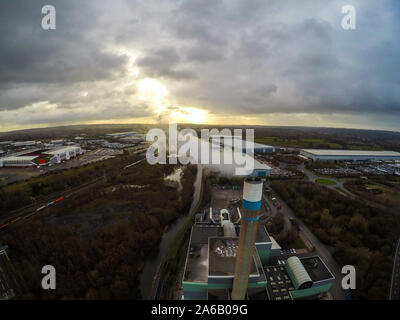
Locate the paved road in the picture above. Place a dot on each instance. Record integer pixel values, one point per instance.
(336, 290)
(395, 285)
(274, 212)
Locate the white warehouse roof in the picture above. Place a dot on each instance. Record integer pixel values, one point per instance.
(328, 152)
(246, 144)
(63, 149)
(23, 158)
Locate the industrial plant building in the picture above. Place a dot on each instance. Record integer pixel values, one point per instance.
(349, 155)
(210, 268)
(234, 257)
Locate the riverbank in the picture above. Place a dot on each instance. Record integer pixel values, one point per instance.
(166, 277)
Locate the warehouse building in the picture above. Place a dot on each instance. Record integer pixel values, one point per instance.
(349, 155)
(210, 263)
(235, 142)
(119, 135)
(33, 157)
(12, 161)
(64, 153)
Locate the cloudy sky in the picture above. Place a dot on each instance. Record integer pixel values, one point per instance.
(271, 62)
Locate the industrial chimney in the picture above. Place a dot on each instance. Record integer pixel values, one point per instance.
(252, 193)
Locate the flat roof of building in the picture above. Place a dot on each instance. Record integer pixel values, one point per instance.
(197, 262)
(24, 152)
(247, 144)
(316, 269)
(62, 149)
(22, 158)
(329, 152)
(222, 257)
(278, 283)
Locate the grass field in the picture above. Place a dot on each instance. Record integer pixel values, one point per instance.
(325, 182)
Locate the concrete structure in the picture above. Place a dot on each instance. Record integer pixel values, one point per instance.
(349, 155)
(252, 194)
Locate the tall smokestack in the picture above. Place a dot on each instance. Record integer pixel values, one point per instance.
(252, 193)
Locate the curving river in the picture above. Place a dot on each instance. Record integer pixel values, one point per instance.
(152, 263)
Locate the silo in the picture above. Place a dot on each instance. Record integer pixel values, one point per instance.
(251, 203)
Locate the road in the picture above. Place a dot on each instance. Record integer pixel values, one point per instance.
(274, 212)
(395, 285)
(336, 289)
(344, 191)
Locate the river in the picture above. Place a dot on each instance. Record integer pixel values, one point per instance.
(151, 264)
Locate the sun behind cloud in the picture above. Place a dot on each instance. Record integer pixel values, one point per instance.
(189, 115)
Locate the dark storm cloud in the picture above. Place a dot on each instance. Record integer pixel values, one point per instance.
(227, 56)
(67, 54)
(301, 48)
(31, 56)
(163, 63)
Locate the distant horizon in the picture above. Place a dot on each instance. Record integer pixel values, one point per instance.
(195, 125)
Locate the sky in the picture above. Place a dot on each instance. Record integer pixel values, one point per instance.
(260, 62)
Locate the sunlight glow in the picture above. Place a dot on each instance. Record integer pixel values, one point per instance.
(189, 115)
(152, 88)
